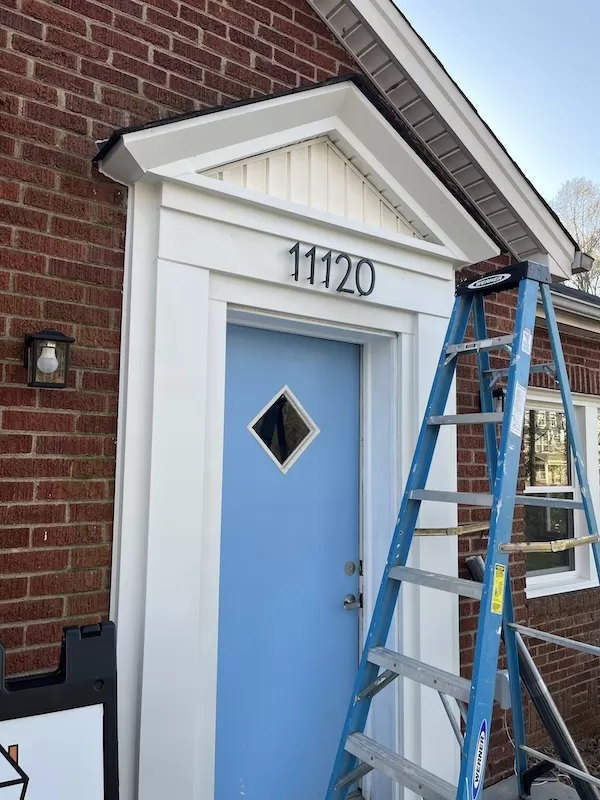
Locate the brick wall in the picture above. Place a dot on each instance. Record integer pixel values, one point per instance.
(70, 72)
(572, 677)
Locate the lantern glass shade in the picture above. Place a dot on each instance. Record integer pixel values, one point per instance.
(47, 359)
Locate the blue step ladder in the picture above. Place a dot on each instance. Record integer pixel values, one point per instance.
(358, 754)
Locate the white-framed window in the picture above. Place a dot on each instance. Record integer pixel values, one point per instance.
(549, 472)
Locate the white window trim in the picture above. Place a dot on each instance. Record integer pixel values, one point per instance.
(584, 575)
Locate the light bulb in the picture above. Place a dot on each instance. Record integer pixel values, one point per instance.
(47, 362)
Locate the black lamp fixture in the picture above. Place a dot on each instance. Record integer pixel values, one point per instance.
(47, 358)
(498, 396)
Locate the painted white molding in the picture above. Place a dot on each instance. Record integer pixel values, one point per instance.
(341, 112)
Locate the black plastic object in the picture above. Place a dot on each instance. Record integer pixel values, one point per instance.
(503, 279)
(545, 707)
(87, 676)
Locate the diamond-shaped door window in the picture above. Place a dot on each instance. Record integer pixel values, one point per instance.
(284, 429)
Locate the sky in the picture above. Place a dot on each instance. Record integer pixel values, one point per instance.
(530, 68)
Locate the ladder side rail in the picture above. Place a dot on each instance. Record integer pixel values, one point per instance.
(510, 645)
(485, 393)
(572, 428)
(487, 643)
(400, 545)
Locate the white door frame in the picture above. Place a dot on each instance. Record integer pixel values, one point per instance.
(168, 500)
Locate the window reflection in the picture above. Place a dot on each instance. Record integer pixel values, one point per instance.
(282, 429)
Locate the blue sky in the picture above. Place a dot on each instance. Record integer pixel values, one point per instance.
(531, 69)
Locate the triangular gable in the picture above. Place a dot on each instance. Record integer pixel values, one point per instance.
(318, 175)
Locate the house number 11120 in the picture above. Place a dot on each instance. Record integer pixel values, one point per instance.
(360, 276)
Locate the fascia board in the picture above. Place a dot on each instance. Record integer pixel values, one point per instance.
(418, 62)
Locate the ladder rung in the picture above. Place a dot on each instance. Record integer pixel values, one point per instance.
(460, 530)
(578, 773)
(549, 368)
(583, 647)
(556, 546)
(466, 419)
(412, 776)
(481, 499)
(435, 678)
(433, 580)
(479, 346)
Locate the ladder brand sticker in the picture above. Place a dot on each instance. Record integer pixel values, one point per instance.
(498, 588)
(490, 280)
(516, 421)
(479, 765)
(527, 340)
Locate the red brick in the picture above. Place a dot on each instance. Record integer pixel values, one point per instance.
(139, 68)
(37, 421)
(83, 8)
(69, 445)
(76, 44)
(203, 21)
(48, 287)
(25, 561)
(13, 636)
(90, 359)
(15, 491)
(93, 468)
(66, 582)
(33, 468)
(293, 30)
(226, 48)
(314, 57)
(282, 74)
(248, 76)
(253, 10)
(45, 632)
(77, 271)
(10, 191)
(166, 22)
(81, 105)
(232, 17)
(20, 662)
(99, 337)
(65, 535)
(70, 490)
(16, 22)
(37, 49)
(295, 63)
(65, 80)
(88, 604)
(57, 203)
(70, 312)
(167, 98)
(148, 33)
(23, 217)
(119, 41)
(251, 42)
(14, 537)
(28, 173)
(186, 68)
(13, 63)
(312, 22)
(12, 443)
(16, 396)
(91, 512)
(91, 556)
(22, 306)
(200, 93)
(11, 588)
(275, 37)
(106, 74)
(100, 192)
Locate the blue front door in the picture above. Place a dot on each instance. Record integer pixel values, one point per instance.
(288, 649)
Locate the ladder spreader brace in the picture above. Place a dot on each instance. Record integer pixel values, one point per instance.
(358, 754)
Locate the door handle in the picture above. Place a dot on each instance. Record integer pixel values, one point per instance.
(351, 602)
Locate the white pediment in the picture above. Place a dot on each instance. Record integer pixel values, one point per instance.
(325, 152)
(318, 175)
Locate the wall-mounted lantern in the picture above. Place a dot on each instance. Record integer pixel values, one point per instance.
(47, 358)
(499, 396)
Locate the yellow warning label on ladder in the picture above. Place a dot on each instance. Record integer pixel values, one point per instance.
(498, 588)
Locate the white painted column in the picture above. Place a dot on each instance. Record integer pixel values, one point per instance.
(171, 705)
(132, 491)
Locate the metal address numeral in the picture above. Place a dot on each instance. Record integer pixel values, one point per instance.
(363, 267)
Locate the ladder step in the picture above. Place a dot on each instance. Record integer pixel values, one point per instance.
(578, 773)
(460, 530)
(481, 499)
(466, 419)
(563, 641)
(438, 679)
(555, 546)
(549, 368)
(480, 346)
(433, 580)
(412, 776)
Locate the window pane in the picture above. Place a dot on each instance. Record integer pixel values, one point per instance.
(545, 525)
(546, 449)
(547, 464)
